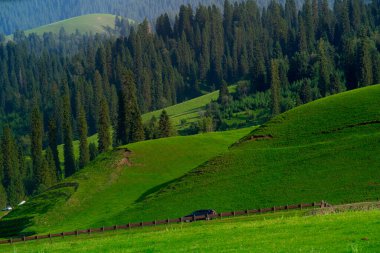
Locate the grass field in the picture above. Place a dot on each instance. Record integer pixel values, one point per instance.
(108, 188)
(95, 23)
(357, 231)
(323, 150)
(327, 149)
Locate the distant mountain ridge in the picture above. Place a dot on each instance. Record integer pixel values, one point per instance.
(28, 14)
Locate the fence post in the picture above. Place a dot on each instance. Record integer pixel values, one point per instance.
(142, 224)
(155, 223)
(194, 219)
(129, 225)
(167, 221)
(301, 206)
(233, 213)
(247, 211)
(103, 229)
(76, 232)
(274, 209)
(23, 238)
(89, 231)
(11, 241)
(63, 234)
(221, 215)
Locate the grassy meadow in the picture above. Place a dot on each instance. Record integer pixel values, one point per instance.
(357, 231)
(327, 149)
(108, 187)
(91, 23)
(322, 150)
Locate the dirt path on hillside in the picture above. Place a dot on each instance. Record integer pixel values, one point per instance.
(125, 161)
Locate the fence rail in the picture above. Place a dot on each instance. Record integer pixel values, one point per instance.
(321, 204)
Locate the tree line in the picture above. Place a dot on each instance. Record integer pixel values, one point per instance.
(289, 56)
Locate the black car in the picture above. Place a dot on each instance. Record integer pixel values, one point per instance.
(203, 213)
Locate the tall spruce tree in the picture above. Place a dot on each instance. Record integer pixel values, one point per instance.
(365, 63)
(224, 94)
(164, 125)
(130, 127)
(68, 149)
(11, 168)
(104, 127)
(36, 146)
(84, 155)
(53, 145)
(49, 177)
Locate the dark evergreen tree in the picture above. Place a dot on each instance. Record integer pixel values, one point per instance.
(224, 94)
(68, 150)
(52, 135)
(12, 181)
(36, 135)
(84, 155)
(93, 150)
(164, 125)
(365, 63)
(104, 128)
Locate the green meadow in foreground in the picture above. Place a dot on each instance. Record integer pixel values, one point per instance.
(95, 23)
(357, 231)
(109, 185)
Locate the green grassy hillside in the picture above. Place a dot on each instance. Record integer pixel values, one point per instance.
(189, 111)
(282, 232)
(110, 185)
(327, 149)
(95, 23)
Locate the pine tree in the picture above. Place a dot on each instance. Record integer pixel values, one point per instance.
(130, 127)
(48, 168)
(365, 63)
(67, 133)
(11, 168)
(224, 94)
(275, 87)
(164, 125)
(84, 155)
(93, 150)
(52, 132)
(36, 145)
(104, 126)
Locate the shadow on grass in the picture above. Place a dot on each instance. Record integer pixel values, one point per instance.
(16, 222)
(155, 189)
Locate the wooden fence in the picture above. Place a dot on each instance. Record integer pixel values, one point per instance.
(321, 204)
